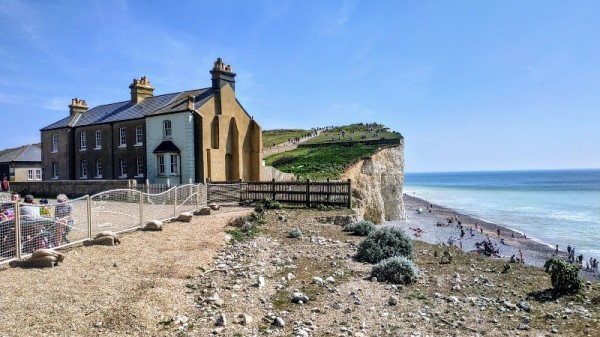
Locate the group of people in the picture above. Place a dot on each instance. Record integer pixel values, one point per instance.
(591, 265)
(41, 226)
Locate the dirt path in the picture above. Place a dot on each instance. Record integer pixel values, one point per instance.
(114, 291)
(286, 146)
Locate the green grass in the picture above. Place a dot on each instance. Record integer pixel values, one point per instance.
(319, 163)
(239, 235)
(277, 137)
(354, 132)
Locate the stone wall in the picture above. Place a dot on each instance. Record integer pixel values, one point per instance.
(377, 185)
(73, 189)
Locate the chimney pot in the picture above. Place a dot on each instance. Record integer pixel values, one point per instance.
(140, 90)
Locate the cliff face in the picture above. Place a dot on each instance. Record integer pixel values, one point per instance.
(377, 184)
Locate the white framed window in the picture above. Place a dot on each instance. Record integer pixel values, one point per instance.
(174, 164)
(82, 141)
(54, 170)
(54, 143)
(122, 137)
(30, 174)
(98, 144)
(98, 168)
(139, 135)
(123, 167)
(161, 164)
(83, 168)
(139, 167)
(167, 131)
(38, 174)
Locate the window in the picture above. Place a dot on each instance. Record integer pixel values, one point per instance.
(167, 132)
(139, 167)
(30, 174)
(139, 135)
(54, 170)
(98, 168)
(83, 167)
(55, 143)
(38, 174)
(122, 137)
(83, 141)
(98, 140)
(123, 165)
(161, 164)
(174, 166)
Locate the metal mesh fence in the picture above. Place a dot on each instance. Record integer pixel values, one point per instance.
(56, 225)
(226, 194)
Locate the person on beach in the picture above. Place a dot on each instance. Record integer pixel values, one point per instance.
(556, 250)
(471, 232)
(498, 231)
(522, 261)
(569, 249)
(481, 228)
(462, 233)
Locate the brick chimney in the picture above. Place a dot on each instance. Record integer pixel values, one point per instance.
(140, 90)
(77, 106)
(222, 74)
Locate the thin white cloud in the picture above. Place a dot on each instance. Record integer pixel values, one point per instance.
(56, 104)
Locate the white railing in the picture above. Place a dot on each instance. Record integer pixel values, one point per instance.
(115, 210)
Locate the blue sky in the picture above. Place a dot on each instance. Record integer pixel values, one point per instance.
(472, 85)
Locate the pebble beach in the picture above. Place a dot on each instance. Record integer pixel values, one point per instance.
(423, 227)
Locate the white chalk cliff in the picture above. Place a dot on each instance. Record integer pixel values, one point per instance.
(377, 185)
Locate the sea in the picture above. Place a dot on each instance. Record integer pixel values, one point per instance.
(551, 206)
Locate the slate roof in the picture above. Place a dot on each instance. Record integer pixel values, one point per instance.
(123, 111)
(26, 153)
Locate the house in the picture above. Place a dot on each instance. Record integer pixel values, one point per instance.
(22, 163)
(182, 137)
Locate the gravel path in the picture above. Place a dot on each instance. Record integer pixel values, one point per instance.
(126, 289)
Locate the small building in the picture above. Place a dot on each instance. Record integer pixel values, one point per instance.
(182, 137)
(22, 163)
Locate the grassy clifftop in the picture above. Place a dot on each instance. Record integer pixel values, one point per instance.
(332, 158)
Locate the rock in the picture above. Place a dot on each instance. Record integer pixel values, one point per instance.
(437, 295)
(453, 299)
(246, 319)
(330, 279)
(393, 300)
(261, 282)
(203, 211)
(317, 280)
(298, 297)
(373, 279)
(456, 287)
(523, 326)
(221, 320)
(509, 305)
(214, 206)
(154, 225)
(524, 305)
(301, 333)
(279, 322)
(554, 330)
(281, 218)
(184, 217)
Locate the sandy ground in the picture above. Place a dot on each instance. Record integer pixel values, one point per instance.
(534, 253)
(114, 291)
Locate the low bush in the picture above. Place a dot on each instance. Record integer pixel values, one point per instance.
(383, 243)
(349, 227)
(284, 160)
(396, 269)
(363, 228)
(295, 233)
(256, 218)
(564, 276)
(237, 221)
(270, 204)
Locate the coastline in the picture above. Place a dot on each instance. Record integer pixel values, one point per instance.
(535, 252)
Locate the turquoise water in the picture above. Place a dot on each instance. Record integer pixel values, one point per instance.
(553, 207)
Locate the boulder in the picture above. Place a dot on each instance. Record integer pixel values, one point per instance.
(106, 238)
(41, 258)
(203, 211)
(214, 206)
(185, 217)
(154, 225)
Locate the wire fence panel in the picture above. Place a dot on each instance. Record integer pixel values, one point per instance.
(186, 198)
(116, 211)
(226, 194)
(159, 206)
(7, 240)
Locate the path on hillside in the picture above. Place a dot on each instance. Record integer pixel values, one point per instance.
(287, 146)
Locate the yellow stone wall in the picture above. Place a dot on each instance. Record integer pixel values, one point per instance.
(232, 141)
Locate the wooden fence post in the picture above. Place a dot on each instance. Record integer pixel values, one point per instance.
(241, 192)
(307, 193)
(349, 193)
(328, 192)
(273, 189)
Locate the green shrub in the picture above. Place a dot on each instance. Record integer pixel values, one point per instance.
(363, 228)
(256, 218)
(383, 243)
(396, 269)
(270, 204)
(295, 233)
(564, 276)
(349, 227)
(284, 160)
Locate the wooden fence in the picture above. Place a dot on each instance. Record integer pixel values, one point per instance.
(306, 193)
